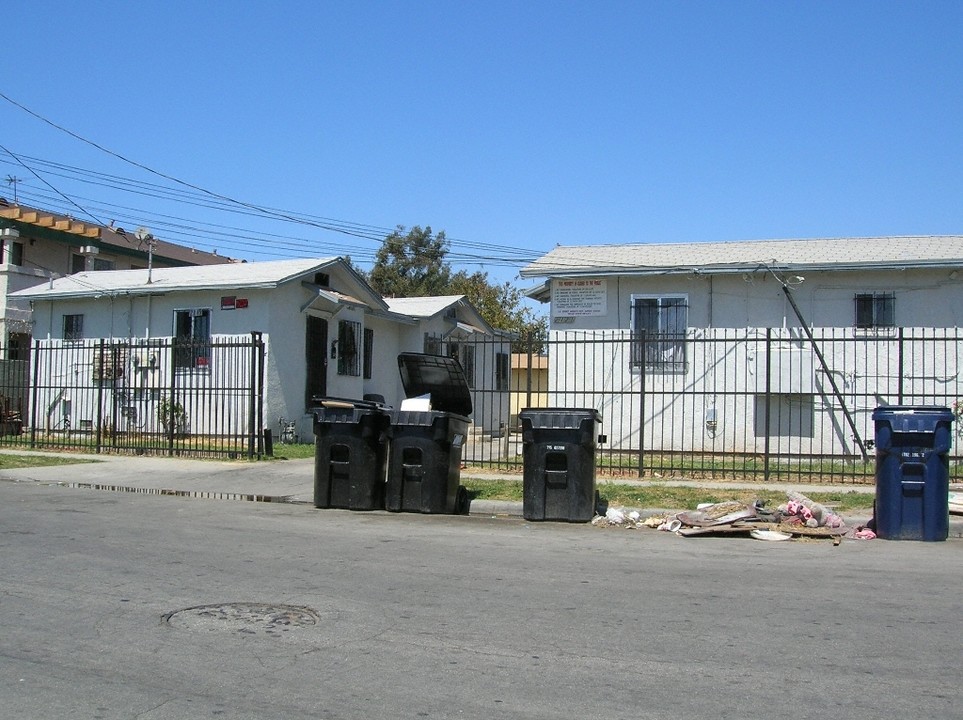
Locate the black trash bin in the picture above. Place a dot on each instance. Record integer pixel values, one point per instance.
(558, 455)
(424, 465)
(912, 472)
(350, 453)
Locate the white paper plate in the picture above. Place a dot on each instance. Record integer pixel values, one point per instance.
(770, 535)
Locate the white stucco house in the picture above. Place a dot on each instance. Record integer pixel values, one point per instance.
(696, 325)
(325, 332)
(449, 325)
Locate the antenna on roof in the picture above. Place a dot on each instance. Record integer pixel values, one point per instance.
(11, 180)
(143, 235)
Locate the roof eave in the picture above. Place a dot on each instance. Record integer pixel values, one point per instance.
(734, 268)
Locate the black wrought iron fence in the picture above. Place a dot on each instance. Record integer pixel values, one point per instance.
(140, 396)
(758, 404)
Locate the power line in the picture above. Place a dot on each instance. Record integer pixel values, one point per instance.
(458, 251)
(36, 175)
(508, 256)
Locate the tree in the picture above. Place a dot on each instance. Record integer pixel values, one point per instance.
(411, 264)
(500, 305)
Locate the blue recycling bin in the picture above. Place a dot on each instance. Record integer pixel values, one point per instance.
(912, 472)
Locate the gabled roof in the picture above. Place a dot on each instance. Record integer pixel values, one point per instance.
(239, 276)
(723, 257)
(423, 307)
(470, 320)
(80, 232)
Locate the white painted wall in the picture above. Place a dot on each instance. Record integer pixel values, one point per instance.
(277, 314)
(591, 362)
(924, 298)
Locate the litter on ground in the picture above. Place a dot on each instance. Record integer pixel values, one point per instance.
(798, 517)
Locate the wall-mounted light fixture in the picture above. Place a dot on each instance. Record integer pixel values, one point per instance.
(334, 349)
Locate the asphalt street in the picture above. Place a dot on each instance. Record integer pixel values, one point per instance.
(135, 605)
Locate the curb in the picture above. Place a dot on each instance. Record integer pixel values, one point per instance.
(478, 508)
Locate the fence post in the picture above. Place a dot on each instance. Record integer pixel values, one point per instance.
(768, 417)
(98, 434)
(171, 402)
(900, 374)
(641, 398)
(35, 393)
(530, 340)
(252, 399)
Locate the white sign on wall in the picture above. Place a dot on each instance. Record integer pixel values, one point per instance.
(579, 298)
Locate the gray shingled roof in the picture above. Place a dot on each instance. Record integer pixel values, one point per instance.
(164, 280)
(721, 257)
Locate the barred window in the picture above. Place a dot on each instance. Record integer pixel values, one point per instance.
(502, 370)
(432, 345)
(659, 325)
(349, 357)
(465, 355)
(73, 327)
(192, 339)
(875, 310)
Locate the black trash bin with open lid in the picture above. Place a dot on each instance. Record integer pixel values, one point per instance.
(424, 464)
(350, 453)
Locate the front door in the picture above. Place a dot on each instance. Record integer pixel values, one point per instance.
(315, 359)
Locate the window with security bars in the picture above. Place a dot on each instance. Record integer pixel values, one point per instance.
(503, 370)
(368, 350)
(349, 355)
(465, 355)
(192, 339)
(433, 345)
(875, 311)
(659, 325)
(73, 327)
(463, 352)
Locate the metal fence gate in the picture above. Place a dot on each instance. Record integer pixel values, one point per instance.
(154, 396)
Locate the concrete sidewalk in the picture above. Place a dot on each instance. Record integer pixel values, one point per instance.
(292, 481)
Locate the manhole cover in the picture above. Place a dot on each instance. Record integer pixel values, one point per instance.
(244, 618)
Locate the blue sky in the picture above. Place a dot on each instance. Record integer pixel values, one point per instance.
(513, 126)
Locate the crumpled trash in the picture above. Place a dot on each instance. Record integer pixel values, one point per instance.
(794, 507)
(864, 533)
(615, 516)
(620, 517)
(802, 509)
